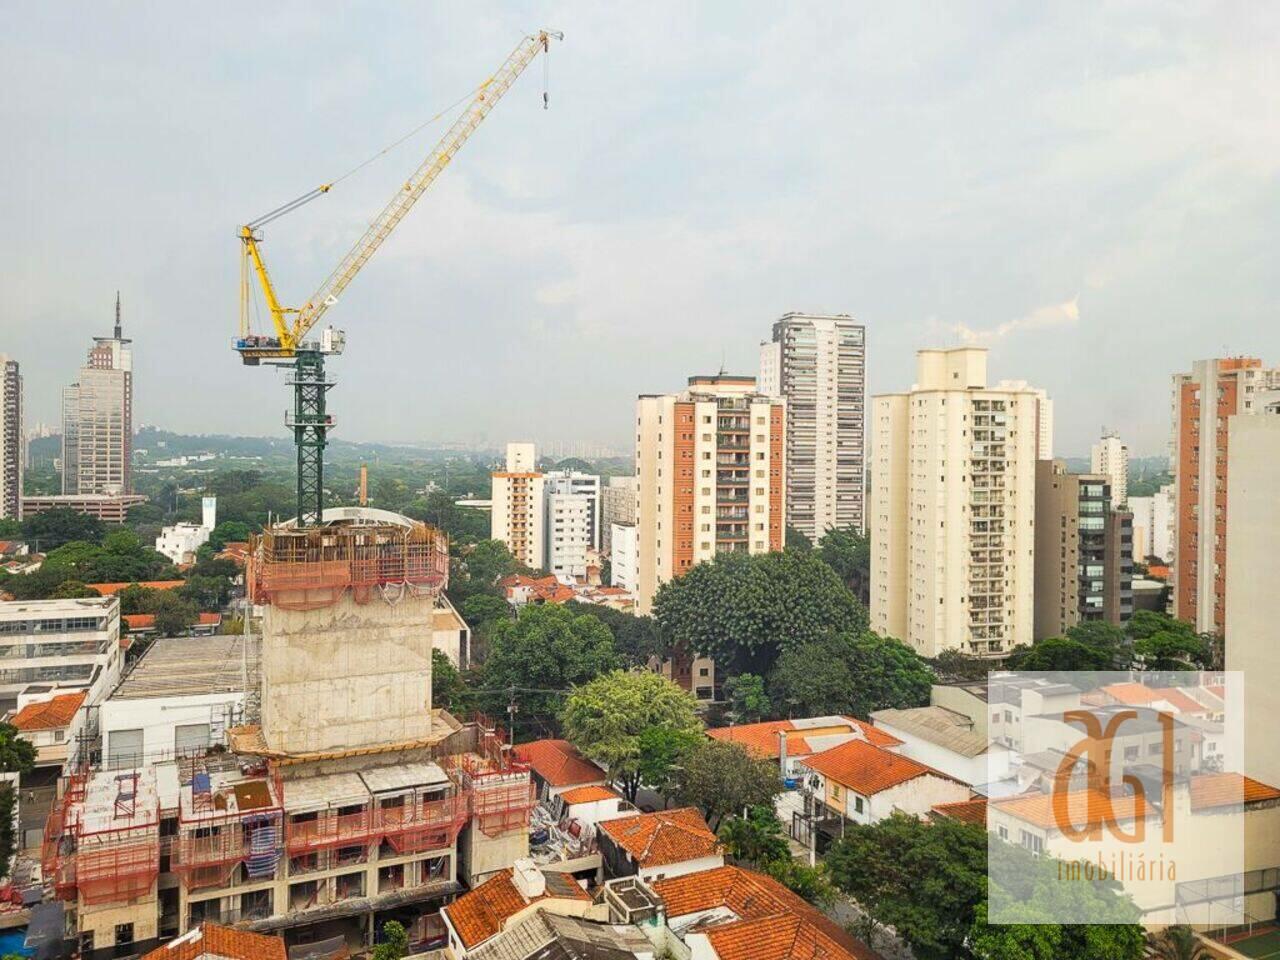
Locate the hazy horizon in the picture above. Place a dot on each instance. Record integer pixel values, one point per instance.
(1090, 193)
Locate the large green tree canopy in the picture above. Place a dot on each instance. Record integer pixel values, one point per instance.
(614, 719)
(849, 673)
(744, 610)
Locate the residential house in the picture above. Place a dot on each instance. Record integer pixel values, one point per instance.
(665, 843)
(51, 725)
(945, 740)
(213, 941)
(791, 742)
(557, 766)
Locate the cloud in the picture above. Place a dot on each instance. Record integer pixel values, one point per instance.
(1051, 315)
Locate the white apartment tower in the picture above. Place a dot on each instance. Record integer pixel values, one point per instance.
(952, 516)
(1110, 458)
(12, 441)
(97, 420)
(709, 475)
(817, 365)
(517, 515)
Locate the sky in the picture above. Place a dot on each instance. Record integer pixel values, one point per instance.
(1090, 191)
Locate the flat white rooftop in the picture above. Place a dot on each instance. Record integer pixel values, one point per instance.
(83, 607)
(404, 776)
(118, 799)
(324, 792)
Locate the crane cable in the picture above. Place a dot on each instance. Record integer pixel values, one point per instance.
(324, 188)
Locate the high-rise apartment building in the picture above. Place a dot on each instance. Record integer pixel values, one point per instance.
(710, 477)
(516, 517)
(1084, 551)
(566, 534)
(622, 562)
(1110, 458)
(97, 420)
(13, 448)
(953, 507)
(1253, 605)
(1153, 525)
(1204, 402)
(817, 365)
(585, 486)
(617, 505)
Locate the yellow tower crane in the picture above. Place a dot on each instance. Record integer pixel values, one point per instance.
(289, 347)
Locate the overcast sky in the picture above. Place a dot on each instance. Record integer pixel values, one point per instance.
(1092, 193)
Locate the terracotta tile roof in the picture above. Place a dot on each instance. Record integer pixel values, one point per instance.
(215, 940)
(559, 763)
(588, 794)
(753, 898)
(1226, 789)
(663, 837)
(111, 589)
(1180, 700)
(49, 714)
(761, 739)
(478, 915)
(967, 811)
(1131, 694)
(867, 769)
(1037, 808)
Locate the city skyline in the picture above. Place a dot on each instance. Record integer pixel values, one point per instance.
(1070, 242)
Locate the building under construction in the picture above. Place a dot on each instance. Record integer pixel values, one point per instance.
(342, 801)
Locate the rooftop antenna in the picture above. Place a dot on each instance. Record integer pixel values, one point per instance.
(118, 333)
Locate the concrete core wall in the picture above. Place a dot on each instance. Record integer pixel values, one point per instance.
(348, 675)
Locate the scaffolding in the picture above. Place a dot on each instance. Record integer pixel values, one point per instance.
(314, 567)
(222, 828)
(102, 838)
(501, 790)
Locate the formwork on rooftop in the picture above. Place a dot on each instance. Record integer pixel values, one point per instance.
(312, 567)
(224, 824)
(500, 787)
(102, 837)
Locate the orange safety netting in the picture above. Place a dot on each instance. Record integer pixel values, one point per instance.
(114, 872)
(313, 567)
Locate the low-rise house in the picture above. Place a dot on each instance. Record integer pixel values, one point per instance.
(144, 624)
(557, 766)
(51, 725)
(946, 740)
(507, 898)
(111, 589)
(791, 742)
(729, 913)
(213, 941)
(544, 935)
(966, 811)
(862, 783)
(666, 843)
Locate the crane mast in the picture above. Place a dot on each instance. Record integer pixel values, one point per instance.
(289, 347)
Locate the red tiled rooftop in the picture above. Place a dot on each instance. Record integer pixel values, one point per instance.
(753, 897)
(478, 915)
(215, 940)
(867, 769)
(111, 589)
(1226, 789)
(761, 739)
(559, 763)
(49, 714)
(588, 794)
(1084, 808)
(663, 837)
(966, 811)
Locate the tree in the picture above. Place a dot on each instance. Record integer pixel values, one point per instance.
(637, 639)
(10, 529)
(448, 689)
(229, 531)
(607, 718)
(52, 528)
(849, 673)
(848, 553)
(484, 611)
(957, 665)
(721, 777)
(744, 610)
(662, 753)
(756, 839)
(16, 754)
(1098, 634)
(207, 593)
(174, 614)
(748, 702)
(8, 842)
(539, 656)
(809, 883)
(1060, 654)
(480, 567)
(394, 943)
(794, 539)
(72, 590)
(1178, 943)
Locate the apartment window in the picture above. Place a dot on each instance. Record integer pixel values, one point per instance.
(124, 934)
(1131, 753)
(857, 804)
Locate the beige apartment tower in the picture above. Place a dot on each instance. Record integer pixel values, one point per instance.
(13, 446)
(952, 516)
(710, 477)
(1109, 457)
(517, 516)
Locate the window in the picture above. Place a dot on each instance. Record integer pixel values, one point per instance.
(857, 804)
(124, 934)
(1032, 842)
